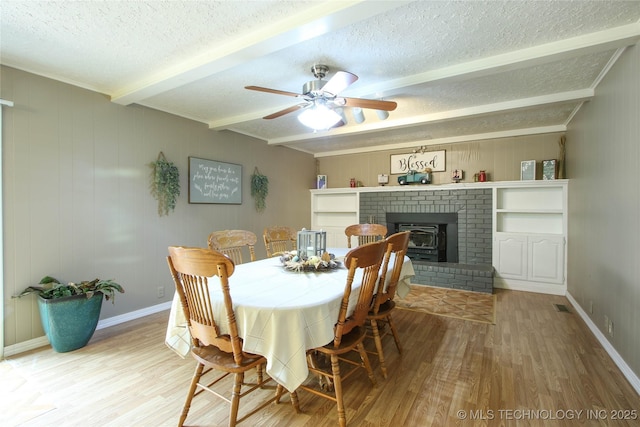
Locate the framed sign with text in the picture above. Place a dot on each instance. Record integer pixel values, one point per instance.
(211, 181)
(402, 163)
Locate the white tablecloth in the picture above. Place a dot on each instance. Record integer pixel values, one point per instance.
(280, 314)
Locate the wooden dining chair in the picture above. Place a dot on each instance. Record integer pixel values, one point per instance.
(278, 240)
(349, 331)
(366, 233)
(383, 304)
(232, 243)
(215, 352)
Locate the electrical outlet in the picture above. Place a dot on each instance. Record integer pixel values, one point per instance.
(591, 307)
(160, 291)
(606, 323)
(610, 329)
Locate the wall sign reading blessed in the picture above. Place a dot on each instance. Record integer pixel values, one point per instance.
(402, 163)
(214, 182)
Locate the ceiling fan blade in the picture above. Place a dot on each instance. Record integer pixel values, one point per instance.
(374, 104)
(276, 91)
(339, 82)
(285, 111)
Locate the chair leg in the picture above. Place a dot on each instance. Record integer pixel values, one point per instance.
(337, 387)
(279, 392)
(259, 372)
(294, 401)
(394, 331)
(378, 341)
(365, 362)
(192, 389)
(293, 395)
(235, 398)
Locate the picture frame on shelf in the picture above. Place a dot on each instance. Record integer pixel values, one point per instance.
(549, 169)
(321, 182)
(527, 170)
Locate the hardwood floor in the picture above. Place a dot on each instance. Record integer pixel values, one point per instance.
(536, 366)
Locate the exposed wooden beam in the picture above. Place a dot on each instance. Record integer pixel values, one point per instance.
(316, 21)
(478, 110)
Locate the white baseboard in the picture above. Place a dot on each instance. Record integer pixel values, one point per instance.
(105, 323)
(617, 359)
(526, 286)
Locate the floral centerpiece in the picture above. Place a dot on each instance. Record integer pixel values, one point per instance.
(294, 262)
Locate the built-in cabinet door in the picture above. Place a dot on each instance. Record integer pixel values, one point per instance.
(511, 255)
(546, 259)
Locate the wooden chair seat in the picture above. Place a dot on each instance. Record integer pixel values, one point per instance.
(383, 305)
(217, 359)
(366, 233)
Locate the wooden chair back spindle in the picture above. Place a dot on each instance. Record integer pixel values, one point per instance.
(278, 240)
(367, 257)
(232, 243)
(366, 233)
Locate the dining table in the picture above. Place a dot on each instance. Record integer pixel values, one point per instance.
(280, 313)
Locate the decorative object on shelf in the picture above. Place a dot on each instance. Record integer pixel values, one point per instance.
(418, 160)
(69, 312)
(476, 177)
(415, 176)
(352, 183)
(383, 179)
(311, 242)
(528, 170)
(165, 184)
(301, 263)
(456, 176)
(561, 158)
(211, 181)
(260, 189)
(321, 183)
(482, 176)
(549, 169)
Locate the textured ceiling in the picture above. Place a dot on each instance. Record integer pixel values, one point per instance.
(458, 70)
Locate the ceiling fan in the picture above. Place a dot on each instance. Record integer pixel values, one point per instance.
(322, 95)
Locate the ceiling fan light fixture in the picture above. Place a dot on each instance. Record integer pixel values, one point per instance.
(340, 111)
(382, 115)
(319, 117)
(358, 115)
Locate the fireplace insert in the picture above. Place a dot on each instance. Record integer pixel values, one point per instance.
(426, 242)
(433, 238)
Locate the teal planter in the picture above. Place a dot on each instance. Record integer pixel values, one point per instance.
(70, 322)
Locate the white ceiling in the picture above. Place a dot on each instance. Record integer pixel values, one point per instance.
(459, 70)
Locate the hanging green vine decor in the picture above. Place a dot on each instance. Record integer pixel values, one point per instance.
(165, 184)
(259, 189)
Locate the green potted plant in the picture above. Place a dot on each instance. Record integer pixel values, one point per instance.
(70, 312)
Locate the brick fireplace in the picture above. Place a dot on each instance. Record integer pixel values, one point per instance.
(472, 208)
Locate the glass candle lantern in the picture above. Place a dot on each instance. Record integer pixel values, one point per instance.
(312, 242)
